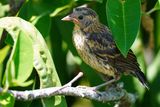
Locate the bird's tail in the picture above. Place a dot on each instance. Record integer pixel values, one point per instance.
(142, 79)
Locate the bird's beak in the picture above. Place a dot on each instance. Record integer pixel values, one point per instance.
(67, 18)
(70, 18)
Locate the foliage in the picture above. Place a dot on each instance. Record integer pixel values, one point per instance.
(26, 63)
(124, 21)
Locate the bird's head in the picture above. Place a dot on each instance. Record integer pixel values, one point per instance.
(82, 16)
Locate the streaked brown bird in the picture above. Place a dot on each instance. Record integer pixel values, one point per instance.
(95, 45)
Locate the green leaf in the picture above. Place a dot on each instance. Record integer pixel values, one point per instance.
(124, 20)
(100, 1)
(9, 40)
(43, 62)
(157, 6)
(6, 100)
(61, 10)
(1, 71)
(43, 23)
(23, 57)
(20, 64)
(3, 53)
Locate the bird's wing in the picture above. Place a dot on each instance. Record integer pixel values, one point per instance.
(104, 47)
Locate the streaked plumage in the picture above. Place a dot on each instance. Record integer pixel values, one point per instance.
(95, 45)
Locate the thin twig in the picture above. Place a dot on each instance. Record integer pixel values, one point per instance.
(80, 74)
(115, 93)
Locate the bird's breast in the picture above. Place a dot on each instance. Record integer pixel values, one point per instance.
(81, 44)
(79, 40)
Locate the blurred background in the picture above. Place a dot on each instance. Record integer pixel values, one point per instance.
(46, 15)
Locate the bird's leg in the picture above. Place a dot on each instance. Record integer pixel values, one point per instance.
(104, 84)
(116, 78)
(99, 86)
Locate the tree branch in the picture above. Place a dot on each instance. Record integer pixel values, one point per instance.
(115, 93)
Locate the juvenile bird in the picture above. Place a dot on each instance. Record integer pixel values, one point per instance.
(95, 45)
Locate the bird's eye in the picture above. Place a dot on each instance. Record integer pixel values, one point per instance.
(80, 17)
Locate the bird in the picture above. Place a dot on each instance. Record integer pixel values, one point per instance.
(96, 46)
